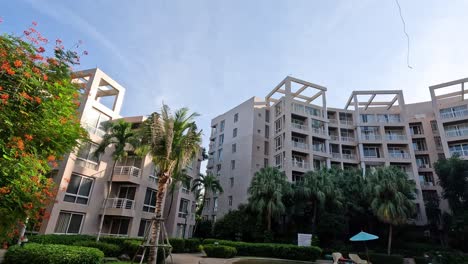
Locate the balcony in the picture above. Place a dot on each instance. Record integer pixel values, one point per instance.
(349, 156)
(394, 137)
(399, 155)
(300, 164)
(210, 163)
(371, 137)
(347, 122)
(127, 174)
(300, 145)
(334, 137)
(460, 153)
(457, 133)
(94, 130)
(336, 155)
(153, 179)
(120, 207)
(423, 165)
(319, 131)
(454, 114)
(333, 121)
(318, 147)
(347, 139)
(299, 126)
(427, 184)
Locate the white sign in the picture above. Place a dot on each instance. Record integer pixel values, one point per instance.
(304, 240)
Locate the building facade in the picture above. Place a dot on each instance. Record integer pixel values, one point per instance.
(83, 179)
(294, 129)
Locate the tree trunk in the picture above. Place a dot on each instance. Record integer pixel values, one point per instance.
(171, 191)
(22, 231)
(389, 247)
(199, 213)
(269, 218)
(156, 227)
(101, 222)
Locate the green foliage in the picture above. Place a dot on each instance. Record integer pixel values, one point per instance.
(109, 250)
(59, 239)
(210, 184)
(453, 177)
(178, 245)
(282, 251)
(384, 258)
(204, 228)
(192, 245)
(53, 254)
(215, 251)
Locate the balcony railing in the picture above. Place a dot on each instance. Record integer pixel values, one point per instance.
(393, 137)
(320, 131)
(333, 121)
(424, 165)
(461, 153)
(454, 114)
(336, 155)
(349, 156)
(371, 137)
(334, 137)
(426, 183)
(300, 145)
(153, 179)
(300, 126)
(318, 147)
(348, 122)
(127, 170)
(300, 164)
(86, 163)
(456, 133)
(347, 139)
(120, 203)
(399, 155)
(94, 130)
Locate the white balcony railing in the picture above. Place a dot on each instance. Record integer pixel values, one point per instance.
(334, 137)
(461, 153)
(86, 163)
(94, 130)
(426, 183)
(153, 179)
(333, 121)
(120, 203)
(371, 137)
(299, 126)
(127, 170)
(349, 156)
(320, 131)
(348, 122)
(300, 164)
(456, 133)
(424, 165)
(347, 139)
(454, 114)
(318, 147)
(399, 155)
(336, 155)
(393, 137)
(300, 145)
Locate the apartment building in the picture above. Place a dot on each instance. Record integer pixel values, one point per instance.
(83, 179)
(294, 130)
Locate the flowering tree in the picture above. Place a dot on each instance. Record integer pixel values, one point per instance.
(38, 124)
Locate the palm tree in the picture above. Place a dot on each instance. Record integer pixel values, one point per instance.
(318, 188)
(209, 184)
(179, 179)
(391, 194)
(266, 191)
(119, 135)
(172, 140)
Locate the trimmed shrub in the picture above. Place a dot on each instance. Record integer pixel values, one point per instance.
(282, 251)
(384, 258)
(192, 245)
(109, 250)
(215, 251)
(421, 260)
(59, 239)
(178, 245)
(53, 254)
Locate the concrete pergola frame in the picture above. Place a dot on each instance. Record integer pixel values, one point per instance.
(460, 93)
(284, 88)
(353, 99)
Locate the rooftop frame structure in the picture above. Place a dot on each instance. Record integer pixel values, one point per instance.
(452, 95)
(284, 88)
(396, 99)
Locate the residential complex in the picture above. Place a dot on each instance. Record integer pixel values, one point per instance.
(83, 179)
(294, 130)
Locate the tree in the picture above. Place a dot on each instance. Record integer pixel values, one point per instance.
(173, 140)
(39, 124)
(209, 184)
(391, 196)
(121, 137)
(453, 177)
(266, 191)
(318, 188)
(180, 178)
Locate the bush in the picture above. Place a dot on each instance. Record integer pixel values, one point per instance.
(282, 251)
(178, 245)
(421, 260)
(53, 254)
(192, 245)
(216, 251)
(59, 239)
(384, 258)
(109, 250)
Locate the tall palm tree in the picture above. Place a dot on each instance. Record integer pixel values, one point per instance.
(318, 188)
(209, 184)
(121, 136)
(266, 191)
(172, 140)
(391, 197)
(179, 179)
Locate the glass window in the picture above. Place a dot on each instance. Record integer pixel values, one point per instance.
(95, 120)
(267, 115)
(220, 154)
(231, 182)
(267, 131)
(221, 126)
(78, 189)
(85, 156)
(233, 164)
(234, 132)
(183, 207)
(215, 204)
(234, 148)
(68, 223)
(230, 200)
(145, 225)
(265, 163)
(221, 140)
(149, 204)
(236, 117)
(119, 226)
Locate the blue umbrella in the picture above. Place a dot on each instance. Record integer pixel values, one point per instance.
(363, 236)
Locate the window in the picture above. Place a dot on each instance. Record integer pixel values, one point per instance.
(207, 203)
(231, 182)
(259, 131)
(220, 154)
(218, 168)
(234, 148)
(145, 225)
(267, 115)
(236, 117)
(230, 200)
(180, 231)
(85, 156)
(416, 129)
(215, 204)
(69, 223)
(119, 226)
(149, 204)
(78, 189)
(95, 122)
(267, 131)
(278, 109)
(266, 148)
(434, 126)
(423, 161)
(221, 140)
(183, 207)
(419, 144)
(233, 164)
(438, 142)
(221, 126)
(278, 143)
(265, 163)
(371, 152)
(278, 125)
(213, 218)
(278, 160)
(234, 132)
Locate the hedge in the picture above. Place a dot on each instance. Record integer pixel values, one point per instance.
(192, 245)
(59, 239)
(178, 245)
(53, 254)
(216, 251)
(384, 258)
(282, 251)
(110, 250)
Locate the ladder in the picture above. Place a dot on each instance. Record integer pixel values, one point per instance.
(163, 242)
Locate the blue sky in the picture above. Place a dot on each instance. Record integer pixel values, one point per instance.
(213, 55)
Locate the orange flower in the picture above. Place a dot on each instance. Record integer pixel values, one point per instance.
(51, 158)
(20, 144)
(35, 70)
(26, 96)
(10, 71)
(28, 137)
(45, 77)
(38, 100)
(27, 74)
(1, 88)
(18, 63)
(5, 96)
(5, 190)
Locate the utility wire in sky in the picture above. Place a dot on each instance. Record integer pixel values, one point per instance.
(407, 36)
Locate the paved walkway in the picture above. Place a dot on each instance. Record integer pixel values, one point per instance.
(200, 259)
